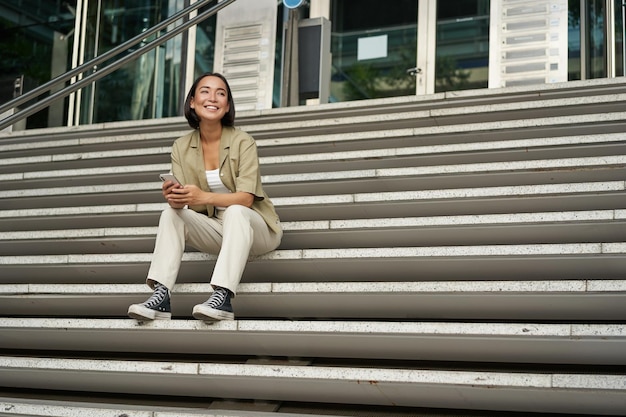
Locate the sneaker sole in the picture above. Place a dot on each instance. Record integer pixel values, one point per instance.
(139, 312)
(202, 312)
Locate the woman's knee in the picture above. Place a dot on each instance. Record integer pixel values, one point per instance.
(172, 216)
(169, 213)
(238, 211)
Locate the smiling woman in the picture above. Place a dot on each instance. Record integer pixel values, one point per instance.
(219, 207)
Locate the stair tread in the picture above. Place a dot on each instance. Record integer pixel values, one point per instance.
(375, 386)
(384, 340)
(491, 220)
(580, 301)
(268, 161)
(67, 408)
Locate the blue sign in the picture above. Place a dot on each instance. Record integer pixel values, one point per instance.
(292, 4)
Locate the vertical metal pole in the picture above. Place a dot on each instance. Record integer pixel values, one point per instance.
(287, 38)
(289, 94)
(609, 38)
(78, 39)
(96, 45)
(188, 63)
(584, 40)
(623, 38)
(294, 89)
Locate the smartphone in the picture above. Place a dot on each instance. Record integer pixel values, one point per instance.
(169, 177)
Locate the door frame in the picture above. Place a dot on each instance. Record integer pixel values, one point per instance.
(426, 44)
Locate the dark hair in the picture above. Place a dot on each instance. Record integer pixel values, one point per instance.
(190, 114)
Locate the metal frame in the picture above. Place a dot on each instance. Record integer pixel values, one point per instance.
(426, 35)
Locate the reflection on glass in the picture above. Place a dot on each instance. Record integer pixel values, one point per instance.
(595, 62)
(372, 47)
(147, 87)
(35, 37)
(462, 45)
(205, 45)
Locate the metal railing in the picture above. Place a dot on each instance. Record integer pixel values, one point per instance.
(102, 72)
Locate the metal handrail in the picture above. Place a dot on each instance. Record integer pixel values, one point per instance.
(8, 121)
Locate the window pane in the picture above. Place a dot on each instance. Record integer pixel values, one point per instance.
(462, 52)
(372, 47)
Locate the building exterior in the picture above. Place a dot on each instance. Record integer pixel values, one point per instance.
(395, 48)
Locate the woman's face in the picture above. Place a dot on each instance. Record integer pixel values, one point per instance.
(210, 100)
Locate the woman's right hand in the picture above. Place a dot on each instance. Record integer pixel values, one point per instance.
(167, 188)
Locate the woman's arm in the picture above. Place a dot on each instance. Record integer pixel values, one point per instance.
(194, 196)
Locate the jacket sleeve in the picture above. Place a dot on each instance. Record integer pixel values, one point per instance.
(244, 167)
(176, 161)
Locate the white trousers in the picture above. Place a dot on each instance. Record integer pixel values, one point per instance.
(234, 234)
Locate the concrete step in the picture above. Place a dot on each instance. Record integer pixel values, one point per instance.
(79, 166)
(546, 391)
(454, 201)
(509, 228)
(382, 340)
(74, 407)
(600, 168)
(407, 141)
(601, 99)
(306, 167)
(490, 262)
(538, 300)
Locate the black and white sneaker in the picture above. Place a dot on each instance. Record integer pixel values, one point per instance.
(157, 307)
(217, 307)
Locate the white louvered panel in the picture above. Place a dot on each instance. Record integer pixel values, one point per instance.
(528, 42)
(245, 51)
(241, 65)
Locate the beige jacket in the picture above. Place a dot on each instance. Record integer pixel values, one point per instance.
(239, 169)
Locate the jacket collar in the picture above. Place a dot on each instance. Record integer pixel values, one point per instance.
(225, 143)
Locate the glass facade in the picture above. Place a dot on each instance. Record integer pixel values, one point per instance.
(375, 51)
(145, 88)
(32, 33)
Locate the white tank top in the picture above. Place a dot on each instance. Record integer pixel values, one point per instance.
(215, 183)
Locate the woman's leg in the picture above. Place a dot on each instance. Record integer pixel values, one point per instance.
(245, 233)
(175, 227)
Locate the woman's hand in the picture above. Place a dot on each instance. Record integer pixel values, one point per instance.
(179, 197)
(168, 188)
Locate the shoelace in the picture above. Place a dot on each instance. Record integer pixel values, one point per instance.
(160, 292)
(217, 298)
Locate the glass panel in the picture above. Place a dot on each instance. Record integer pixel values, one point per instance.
(619, 7)
(597, 57)
(35, 40)
(573, 41)
(462, 51)
(372, 47)
(205, 44)
(594, 42)
(143, 88)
